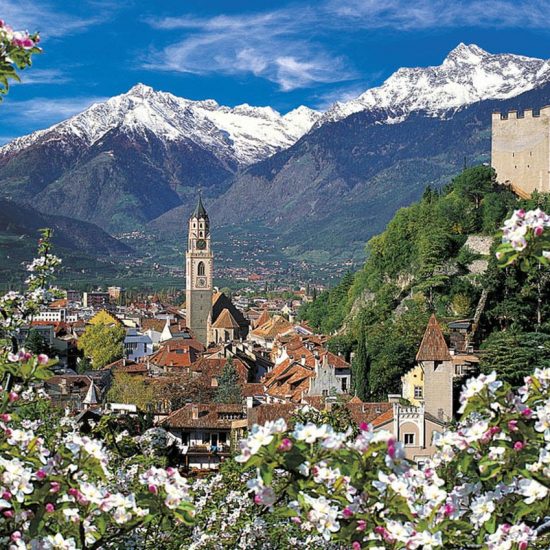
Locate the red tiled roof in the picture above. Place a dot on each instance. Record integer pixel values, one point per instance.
(153, 324)
(383, 418)
(209, 415)
(225, 320)
(270, 411)
(433, 346)
(369, 412)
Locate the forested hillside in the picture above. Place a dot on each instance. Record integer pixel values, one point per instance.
(421, 264)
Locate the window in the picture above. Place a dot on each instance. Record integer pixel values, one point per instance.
(408, 439)
(344, 384)
(200, 269)
(418, 392)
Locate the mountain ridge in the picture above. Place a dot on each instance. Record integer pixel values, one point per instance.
(326, 193)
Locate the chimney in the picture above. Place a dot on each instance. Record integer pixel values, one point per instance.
(194, 412)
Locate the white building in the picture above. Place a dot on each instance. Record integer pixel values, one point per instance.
(137, 345)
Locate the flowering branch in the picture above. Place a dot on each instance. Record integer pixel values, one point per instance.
(525, 239)
(16, 49)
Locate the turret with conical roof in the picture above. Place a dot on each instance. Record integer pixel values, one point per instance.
(200, 211)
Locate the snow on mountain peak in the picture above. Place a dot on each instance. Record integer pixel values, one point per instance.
(467, 54)
(244, 134)
(467, 75)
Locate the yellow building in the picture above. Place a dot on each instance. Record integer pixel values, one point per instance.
(413, 386)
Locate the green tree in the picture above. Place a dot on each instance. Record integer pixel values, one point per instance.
(102, 343)
(130, 389)
(83, 365)
(514, 355)
(229, 389)
(36, 344)
(360, 368)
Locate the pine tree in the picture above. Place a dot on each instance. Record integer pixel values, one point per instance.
(36, 344)
(360, 367)
(229, 389)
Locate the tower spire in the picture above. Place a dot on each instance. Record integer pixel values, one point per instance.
(200, 211)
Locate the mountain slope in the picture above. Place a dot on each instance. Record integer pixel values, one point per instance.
(23, 221)
(125, 161)
(323, 184)
(341, 183)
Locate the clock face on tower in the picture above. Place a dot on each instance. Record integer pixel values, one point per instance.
(201, 282)
(201, 244)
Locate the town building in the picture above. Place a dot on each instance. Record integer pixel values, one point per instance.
(211, 317)
(520, 150)
(203, 432)
(96, 299)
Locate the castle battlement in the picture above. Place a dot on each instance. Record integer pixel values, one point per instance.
(513, 114)
(520, 149)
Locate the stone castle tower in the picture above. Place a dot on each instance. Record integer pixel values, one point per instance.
(199, 272)
(520, 150)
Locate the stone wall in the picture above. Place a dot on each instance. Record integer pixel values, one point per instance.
(520, 150)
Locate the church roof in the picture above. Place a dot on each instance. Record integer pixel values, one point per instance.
(263, 318)
(200, 211)
(225, 320)
(433, 346)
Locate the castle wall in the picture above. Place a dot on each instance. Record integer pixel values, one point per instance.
(438, 389)
(520, 150)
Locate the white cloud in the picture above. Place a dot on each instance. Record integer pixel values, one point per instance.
(270, 45)
(292, 46)
(34, 15)
(42, 76)
(406, 15)
(45, 110)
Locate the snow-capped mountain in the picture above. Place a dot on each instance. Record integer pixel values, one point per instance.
(243, 134)
(467, 75)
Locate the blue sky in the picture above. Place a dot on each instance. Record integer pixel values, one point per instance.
(259, 52)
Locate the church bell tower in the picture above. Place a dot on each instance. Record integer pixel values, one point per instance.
(198, 270)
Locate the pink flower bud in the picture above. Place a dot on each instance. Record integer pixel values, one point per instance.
(527, 412)
(41, 474)
(43, 359)
(506, 527)
(49, 507)
(523, 545)
(520, 213)
(356, 545)
(13, 396)
(73, 492)
(152, 489)
(513, 425)
(448, 509)
(55, 486)
(361, 525)
(8, 514)
(257, 499)
(6, 495)
(391, 448)
(519, 445)
(538, 231)
(364, 427)
(296, 520)
(285, 445)
(170, 471)
(5, 417)
(15, 536)
(347, 513)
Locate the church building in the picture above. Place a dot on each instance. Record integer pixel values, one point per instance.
(211, 316)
